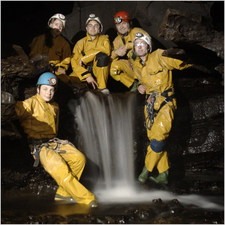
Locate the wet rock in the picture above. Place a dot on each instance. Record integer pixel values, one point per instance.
(16, 68)
(207, 107)
(143, 215)
(183, 27)
(46, 219)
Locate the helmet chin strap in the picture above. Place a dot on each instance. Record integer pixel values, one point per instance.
(124, 35)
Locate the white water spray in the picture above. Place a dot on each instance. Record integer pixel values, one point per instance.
(105, 125)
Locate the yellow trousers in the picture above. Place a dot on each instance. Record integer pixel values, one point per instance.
(66, 169)
(159, 132)
(100, 74)
(122, 71)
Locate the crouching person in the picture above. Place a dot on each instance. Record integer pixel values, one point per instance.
(90, 59)
(38, 117)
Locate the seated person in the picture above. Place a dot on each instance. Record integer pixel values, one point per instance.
(53, 45)
(121, 67)
(90, 59)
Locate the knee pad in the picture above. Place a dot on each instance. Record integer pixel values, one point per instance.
(102, 59)
(157, 146)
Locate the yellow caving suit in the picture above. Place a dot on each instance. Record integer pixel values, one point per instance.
(121, 67)
(92, 52)
(59, 54)
(39, 120)
(156, 76)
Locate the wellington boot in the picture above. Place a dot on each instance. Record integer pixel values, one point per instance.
(105, 91)
(63, 198)
(93, 204)
(134, 86)
(162, 178)
(144, 175)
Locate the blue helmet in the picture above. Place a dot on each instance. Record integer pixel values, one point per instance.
(47, 78)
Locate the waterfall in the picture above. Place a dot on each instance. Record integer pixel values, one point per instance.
(106, 136)
(105, 125)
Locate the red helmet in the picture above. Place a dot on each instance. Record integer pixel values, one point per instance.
(121, 16)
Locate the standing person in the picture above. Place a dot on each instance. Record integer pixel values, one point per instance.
(90, 60)
(155, 81)
(121, 67)
(38, 115)
(53, 45)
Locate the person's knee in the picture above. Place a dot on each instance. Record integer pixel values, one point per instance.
(114, 69)
(102, 59)
(78, 155)
(157, 146)
(82, 158)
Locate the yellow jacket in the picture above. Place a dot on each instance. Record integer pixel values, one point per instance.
(156, 73)
(59, 54)
(38, 118)
(126, 40)
(86, 49)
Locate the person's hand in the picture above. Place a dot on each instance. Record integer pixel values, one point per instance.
(142, 89)
(175, 53)
(80, 62)
(92, 81)
(121, 51)
(60, 71)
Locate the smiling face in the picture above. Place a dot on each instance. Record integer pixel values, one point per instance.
(123, 27)
(140, 47)
(46, 92)
(93, 28)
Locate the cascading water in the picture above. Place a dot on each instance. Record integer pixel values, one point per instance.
(105, 124)
(106, 136)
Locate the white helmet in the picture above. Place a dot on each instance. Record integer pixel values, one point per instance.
(95, 18)
(60, 17)
(145, 38)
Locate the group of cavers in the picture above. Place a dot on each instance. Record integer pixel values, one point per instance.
(130, 60)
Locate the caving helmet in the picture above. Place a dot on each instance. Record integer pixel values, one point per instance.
(95, 18)
(59, 16)
(121, 16)
(47, 78)
(145, 38)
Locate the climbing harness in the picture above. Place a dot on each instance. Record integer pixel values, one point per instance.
(37, 144)
(150, 100)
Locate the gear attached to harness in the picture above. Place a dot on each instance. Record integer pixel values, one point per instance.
(150, 100)
(37, 144)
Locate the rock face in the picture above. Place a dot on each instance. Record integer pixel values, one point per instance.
(178, 26)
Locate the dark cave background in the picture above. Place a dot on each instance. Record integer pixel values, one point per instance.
(23, 20)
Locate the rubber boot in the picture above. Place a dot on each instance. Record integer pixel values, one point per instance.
(105, 91)
(134, 86)
(144, 175)
(93, 204)
(63, 198)
(162, 178)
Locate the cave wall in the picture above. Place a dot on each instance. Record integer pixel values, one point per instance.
(147, 14)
